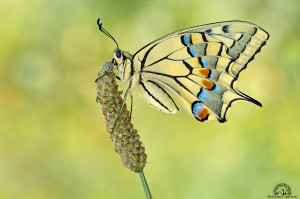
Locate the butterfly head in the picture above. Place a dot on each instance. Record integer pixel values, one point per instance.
(122, 59)
(118, 57)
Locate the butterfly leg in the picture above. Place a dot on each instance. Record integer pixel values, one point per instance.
(131, 104)
(123, 104)
(109, 72)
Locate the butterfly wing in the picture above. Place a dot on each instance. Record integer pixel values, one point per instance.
(200, 66)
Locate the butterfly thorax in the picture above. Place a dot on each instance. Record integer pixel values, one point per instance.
(126, 70)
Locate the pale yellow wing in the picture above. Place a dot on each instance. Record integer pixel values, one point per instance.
(200, 66)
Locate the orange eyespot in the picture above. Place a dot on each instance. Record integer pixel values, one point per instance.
(202, 115)
(200, 111)
(208, 84)
(204, 71)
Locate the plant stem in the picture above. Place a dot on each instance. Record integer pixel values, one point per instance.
(145, 185)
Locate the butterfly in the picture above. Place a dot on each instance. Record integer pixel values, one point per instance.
(199, 66)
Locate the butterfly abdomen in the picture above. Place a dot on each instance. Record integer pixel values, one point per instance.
(157, 97)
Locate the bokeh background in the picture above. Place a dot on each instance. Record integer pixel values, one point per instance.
(53, 140)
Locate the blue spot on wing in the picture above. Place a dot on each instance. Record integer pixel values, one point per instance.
(211, 74)
(192, 52)
(185, 40)
(215, 89)
(204, 62)
(203, 95)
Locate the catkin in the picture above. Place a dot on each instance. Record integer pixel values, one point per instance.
(124, 137)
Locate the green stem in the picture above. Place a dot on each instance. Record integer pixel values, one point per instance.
(145, 185)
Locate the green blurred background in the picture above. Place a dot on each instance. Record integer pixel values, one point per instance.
(53, 140)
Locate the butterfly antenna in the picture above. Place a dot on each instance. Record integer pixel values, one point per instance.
(105, 32)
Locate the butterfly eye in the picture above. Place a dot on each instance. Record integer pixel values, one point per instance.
(118, 54)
